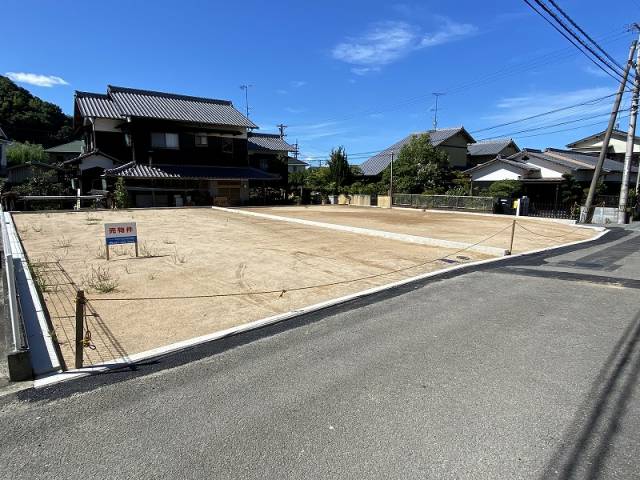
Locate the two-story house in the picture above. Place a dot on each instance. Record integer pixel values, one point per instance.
(169, 149)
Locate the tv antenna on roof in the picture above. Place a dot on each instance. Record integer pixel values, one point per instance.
(246, 88)
(435, 110)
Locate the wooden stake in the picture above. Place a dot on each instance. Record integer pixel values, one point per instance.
(80, 302)
(513, 232)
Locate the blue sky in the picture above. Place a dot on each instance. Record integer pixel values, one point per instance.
(352, 73)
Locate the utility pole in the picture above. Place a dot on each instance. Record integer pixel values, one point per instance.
(246, 88)
(295, 152)
(628, 155)
(435, 110)
(391, 181)
(588, 206)
(281, 127)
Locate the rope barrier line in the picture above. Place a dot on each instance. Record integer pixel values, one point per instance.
(282, 291)
(540, 234)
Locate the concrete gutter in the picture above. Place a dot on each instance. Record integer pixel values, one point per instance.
(39, 335)
(434, 242)
(255, 325)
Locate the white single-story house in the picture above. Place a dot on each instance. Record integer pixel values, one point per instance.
(542, 170)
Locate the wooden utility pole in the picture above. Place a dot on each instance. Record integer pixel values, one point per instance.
(628, 155)
(588, 206)
(281, 127)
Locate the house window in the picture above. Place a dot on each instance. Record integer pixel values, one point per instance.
(164, 140)
(227, 145)
(202, 140)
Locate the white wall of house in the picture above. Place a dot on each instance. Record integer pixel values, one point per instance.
(546, 169)
(496, 172)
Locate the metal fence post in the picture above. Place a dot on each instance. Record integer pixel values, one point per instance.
(80, 303)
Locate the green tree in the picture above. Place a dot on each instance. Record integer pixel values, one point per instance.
(419, 168)
(339, 170)
(43, 182)
(120, 195)
(19, 153)
(505, 189)
(319, 180)
(26, 118)
(570, 189)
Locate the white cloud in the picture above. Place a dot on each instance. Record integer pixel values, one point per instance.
(281, 91)
(298, 83)
(384, 43)
(294, 110)
(449, 32)
(387, 42)
(36, 79)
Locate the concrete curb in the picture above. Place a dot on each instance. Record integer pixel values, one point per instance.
(255, 325)
(434, 242)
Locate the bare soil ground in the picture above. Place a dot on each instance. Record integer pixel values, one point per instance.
(530, 234)
(191, 252)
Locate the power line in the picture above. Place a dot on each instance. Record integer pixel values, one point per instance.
(567, 33)
(569, 129)
(544, 127)
(565, 15)
(538, 115)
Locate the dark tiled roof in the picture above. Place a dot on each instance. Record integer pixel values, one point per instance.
(572, 160)
(71, 147)
(97, 105)
(122, 102)
(134, 170)
(377, 163)
(167, 106)
(269, 142)
(490, 147)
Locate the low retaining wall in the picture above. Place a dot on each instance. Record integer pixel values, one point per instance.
(361, 200)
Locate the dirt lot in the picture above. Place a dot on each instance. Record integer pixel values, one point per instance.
(191, 252)
(531, 234)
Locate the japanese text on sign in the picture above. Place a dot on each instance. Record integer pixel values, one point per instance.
(119, 233)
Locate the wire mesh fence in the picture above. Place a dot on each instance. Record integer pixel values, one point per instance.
(444, 202)
(59, 292)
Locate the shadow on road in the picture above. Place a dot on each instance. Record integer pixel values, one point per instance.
(586, 446)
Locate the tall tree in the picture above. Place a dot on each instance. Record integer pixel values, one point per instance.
(339, 170)
(419, 168)
(26, 118)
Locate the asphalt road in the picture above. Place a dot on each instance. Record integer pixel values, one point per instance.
(526, 370)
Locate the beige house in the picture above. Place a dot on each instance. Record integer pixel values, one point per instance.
(617, 144)
(453, 141)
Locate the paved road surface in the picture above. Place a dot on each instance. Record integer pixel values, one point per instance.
(521, 371)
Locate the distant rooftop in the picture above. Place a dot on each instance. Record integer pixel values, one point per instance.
(490, 147)
(377, 163)
(70, 147)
